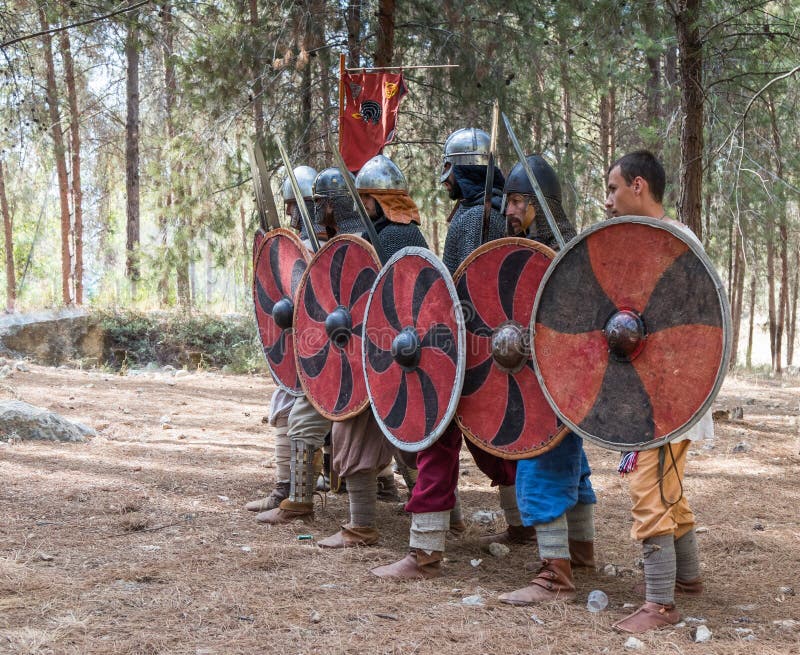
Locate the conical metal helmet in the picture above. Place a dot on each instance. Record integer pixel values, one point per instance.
(330, 184)
(380, 172)
(518, 182)
(467, 146)
(305, 176)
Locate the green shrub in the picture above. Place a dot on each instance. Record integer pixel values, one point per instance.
(137, 338)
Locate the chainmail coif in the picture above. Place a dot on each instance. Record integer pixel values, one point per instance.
(540, 230)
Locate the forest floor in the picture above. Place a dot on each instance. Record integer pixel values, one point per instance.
(137, 541)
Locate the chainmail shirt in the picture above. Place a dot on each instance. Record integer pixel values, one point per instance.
(396, 236)
(465, 232)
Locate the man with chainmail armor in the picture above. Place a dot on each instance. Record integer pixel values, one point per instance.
(554, 492)
(435, 496)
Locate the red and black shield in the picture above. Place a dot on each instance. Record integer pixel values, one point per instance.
(329, 318)
(413, 349)
(631, 333)
(278, 268)
(502, 407)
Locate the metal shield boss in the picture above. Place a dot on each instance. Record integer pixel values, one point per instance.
(279, 263)
(631, 333)
(329, 318)
(413, 349)
(502, 407)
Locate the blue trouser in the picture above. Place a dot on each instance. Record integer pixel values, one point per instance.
(552, 484)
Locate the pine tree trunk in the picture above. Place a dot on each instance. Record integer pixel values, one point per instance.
(353, 21)
(248, 253)
(749, 358)
(436, 244)
(537, 124)
(783, 235)
(384, 53)
(60, 158)
(8, 233)
(736, 295)
(257, 73)
(691, 80)
(132, 270)
(771, 289)
(209, 286)
(791, 315)
(605, 150)
(75, 137)
(171, 166)
(568, 171)
(652, 27)
(608, 126)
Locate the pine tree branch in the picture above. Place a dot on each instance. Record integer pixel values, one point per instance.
(88, 21)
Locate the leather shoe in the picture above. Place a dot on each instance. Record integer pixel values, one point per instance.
(513, 534)
(287, 512)
(351, 537)
(417, 565)
(649, 616)
(553, 582)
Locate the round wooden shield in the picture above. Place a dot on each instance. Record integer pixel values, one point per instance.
(329, 318)
(277, 270)
(631, 333)
(502, 408)
(413, 349)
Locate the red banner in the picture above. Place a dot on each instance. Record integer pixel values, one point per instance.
(369, 114)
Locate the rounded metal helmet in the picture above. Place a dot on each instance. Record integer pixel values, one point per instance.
(380, 172)
(330, 184)
(305, 176)
(518, 182)
(467, 146)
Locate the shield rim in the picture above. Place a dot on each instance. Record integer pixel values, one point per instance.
(563, 430)
(278, 231)
(461, 345)
(698, 251)
(353, 238)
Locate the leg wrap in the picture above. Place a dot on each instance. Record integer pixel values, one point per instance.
(456, 514)
(687, 558)
(428, 531)
(659, 569)
(361, 490)
(580, 522)
(283, 450)
(409, 477)
(552, 538)
(302, 473)
(409, 473)
(508, 503)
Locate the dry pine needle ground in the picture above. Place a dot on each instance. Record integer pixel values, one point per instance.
(137, 542)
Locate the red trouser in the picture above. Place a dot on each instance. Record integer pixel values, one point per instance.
(435, 490)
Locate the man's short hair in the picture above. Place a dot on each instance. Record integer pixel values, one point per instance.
(642, 163)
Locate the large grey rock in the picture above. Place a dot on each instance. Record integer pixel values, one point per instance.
(52, 338)
(23, 422)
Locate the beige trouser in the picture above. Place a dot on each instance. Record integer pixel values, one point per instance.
(652, 515)
(307, 425)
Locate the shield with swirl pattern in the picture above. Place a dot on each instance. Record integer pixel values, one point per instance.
(279, 263)
(329, 315)
(502, 407)
(413, 349)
